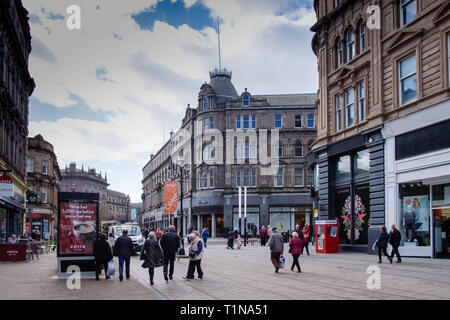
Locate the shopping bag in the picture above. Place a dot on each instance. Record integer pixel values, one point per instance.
(374, 246)
(111, 269)
(282, 261)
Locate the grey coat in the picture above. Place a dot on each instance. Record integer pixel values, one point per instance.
(276, 243)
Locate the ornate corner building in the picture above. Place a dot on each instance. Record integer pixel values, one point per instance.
(383, 121)
(16, 86)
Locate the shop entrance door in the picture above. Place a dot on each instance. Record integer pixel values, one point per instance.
(299, 219)
(441, 220)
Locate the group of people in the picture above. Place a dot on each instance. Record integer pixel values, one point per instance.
(297, 244)
(155, 253)
(234, 237)
(393, 238)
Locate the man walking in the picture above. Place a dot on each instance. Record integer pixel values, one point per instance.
(394, 239)
(276, 245)
(124, 247)
(205, 235)
(170, 243)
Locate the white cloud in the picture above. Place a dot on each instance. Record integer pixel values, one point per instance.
(157, 73)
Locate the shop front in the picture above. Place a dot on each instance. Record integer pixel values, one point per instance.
(252, 220)
(11, 208)
(418, 181)
(286, 218)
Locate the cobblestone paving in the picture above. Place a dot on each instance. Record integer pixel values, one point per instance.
(248, 274)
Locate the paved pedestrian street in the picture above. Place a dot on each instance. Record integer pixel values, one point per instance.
(241, 274)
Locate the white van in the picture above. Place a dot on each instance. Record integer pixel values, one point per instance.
(134, 232)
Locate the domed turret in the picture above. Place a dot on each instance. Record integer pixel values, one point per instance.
(221, 83)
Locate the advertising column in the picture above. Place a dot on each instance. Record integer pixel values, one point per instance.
(77, 230)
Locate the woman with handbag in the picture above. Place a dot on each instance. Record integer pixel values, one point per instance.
(295, 248)
(102, 254)
(152, 255)
(195, 255)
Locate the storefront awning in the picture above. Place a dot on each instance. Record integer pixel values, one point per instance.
(12, 204)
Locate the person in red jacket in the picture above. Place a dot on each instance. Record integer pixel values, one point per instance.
(295, 245)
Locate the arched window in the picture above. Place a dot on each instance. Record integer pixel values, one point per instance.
(350, 39)
(205, 103)
(361, 37)
(245, 99)
(298, 149)
(339, 53)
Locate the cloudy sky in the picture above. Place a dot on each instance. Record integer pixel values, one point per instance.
(108, 94)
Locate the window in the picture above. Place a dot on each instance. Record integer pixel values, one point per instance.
(407, 80)
(211, 123)
(278, 178)
(339, 53)
(211, 179)
(361, 104)
(311, 121)
(335, 3)
(408, 10)
(309, 178)
(247, 150)
(298, 149)
(362, 37)
(350, 107)
(338, 113)
(246, 122)
(278, 150)
(350, 45)
(253, 151)
(44, 167)
(204, 128)
(30, 165)
(203, 180)
(298, 177)
(342, 168)
(238, 122)
(211, 103)
(246, 178)
(298, 121)
(362, 163)
(205, 103)
(44, 194)
(253, 122)
(278, 123)
(246, 100)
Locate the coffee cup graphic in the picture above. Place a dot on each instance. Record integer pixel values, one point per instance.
(84, 229)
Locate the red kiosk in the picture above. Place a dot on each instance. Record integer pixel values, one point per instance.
(327, 236)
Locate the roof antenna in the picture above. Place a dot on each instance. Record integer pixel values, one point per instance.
(218, 36)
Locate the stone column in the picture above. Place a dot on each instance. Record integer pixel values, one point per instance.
(198, 223)
(213, 225)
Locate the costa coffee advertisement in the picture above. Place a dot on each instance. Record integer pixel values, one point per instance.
(78, 227)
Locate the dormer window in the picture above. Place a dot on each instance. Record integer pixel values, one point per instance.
(245, 99)
(205, 103)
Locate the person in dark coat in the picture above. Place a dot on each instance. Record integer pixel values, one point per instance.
(152, 254)
(230, 240)
(263, 235)
(382, 243)
(296, 245)
(170, 243)
(124, 247)
(146, 232)
(394, 239)
(103, 254)
(236, 234)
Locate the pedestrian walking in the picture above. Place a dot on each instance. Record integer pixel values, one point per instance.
(195, 257)
(102, 254)
(236, 233)
(262, 235)
(170, 243)
(146, 232)
(239, 242)
(306, 232)
(276, 245)
(124, 247)
(230, 244)
(205, 235)
(296, 248)
(394, 239)
(152, 255)
(382, 243)
(158, 234)
(255, 230)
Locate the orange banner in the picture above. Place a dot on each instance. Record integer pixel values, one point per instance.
(171, 197)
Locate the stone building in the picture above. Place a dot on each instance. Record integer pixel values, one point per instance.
(43, 181)
(16, 86)
(118, 206)
(222, 145)
(383, 120)
(79, 180)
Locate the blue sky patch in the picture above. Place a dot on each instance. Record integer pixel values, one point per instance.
(42, 111)
(197, 16)
(294, 6)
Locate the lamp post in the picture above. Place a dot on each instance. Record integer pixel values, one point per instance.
(240, 208)
(183, 168)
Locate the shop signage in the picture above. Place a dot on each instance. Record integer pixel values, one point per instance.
(200, 202)
(6, 186)
(13, 252)
(171, 197)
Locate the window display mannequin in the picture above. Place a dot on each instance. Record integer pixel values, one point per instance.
(410, 222)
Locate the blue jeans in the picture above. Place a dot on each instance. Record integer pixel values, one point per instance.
(204, 241)
(123, 259)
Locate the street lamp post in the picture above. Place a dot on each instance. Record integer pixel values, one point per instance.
(183, 168)
(240, 207)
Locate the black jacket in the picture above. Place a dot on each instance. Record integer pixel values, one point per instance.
(152, 253)
(102, 251)
(383, 240)
(123, 246)
(395, 237)
(170, 243)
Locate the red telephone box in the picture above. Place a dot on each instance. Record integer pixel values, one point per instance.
(327, 236)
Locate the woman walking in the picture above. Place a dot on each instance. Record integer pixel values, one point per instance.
(103, 254)
(196, 255)
(306, 232)
(152, 254)
(296, 246)
(382, 243)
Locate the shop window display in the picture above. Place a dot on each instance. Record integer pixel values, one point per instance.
(441, 216)
(415, 213)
